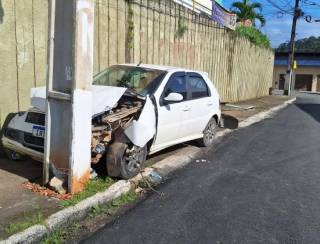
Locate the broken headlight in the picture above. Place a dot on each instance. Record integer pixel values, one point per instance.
(12, 134)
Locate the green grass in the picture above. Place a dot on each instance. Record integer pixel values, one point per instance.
(112, 207)
(91, 188)
(13, 228)
(60, 236)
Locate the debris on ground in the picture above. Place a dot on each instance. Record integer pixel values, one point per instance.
(155, 177)
(139, 190)
(44, 191)
(93, 174)
(201, 161)
(57, 185)
(147, 183)
(242, 107)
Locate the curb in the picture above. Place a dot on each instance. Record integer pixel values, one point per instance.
(163, 168)
(257, 117)
(265, 114)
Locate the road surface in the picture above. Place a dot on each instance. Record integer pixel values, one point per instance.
(261, 184)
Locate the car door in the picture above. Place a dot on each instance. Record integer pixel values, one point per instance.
(200, 106)
(171, 115)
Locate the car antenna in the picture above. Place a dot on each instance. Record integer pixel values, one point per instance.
(139, 63)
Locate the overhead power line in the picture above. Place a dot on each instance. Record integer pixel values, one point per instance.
(283, 10)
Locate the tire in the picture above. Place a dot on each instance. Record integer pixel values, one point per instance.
(12, 155)
(2, 132)
(124, 161)
(209, 133)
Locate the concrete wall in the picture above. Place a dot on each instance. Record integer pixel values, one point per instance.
(239, 69)
(314, 71)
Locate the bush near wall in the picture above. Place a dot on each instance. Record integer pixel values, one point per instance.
(254, 35)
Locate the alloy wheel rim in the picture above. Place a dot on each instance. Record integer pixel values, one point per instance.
(209, 133)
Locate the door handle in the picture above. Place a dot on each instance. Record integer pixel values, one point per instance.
(186, 109)
(210, 104)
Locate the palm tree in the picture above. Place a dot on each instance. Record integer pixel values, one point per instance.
(247, 11)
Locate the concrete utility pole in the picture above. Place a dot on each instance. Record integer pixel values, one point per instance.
(69, 99)
(296, 15)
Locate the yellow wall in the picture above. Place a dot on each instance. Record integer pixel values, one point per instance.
(239, 69)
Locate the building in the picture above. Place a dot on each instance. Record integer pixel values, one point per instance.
(306, 76)
(200, 6)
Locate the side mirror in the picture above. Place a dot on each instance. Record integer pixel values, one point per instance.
(173, 97)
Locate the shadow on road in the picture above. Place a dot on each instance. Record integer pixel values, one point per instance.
(28, 169)
(313, 109)
(229, 122)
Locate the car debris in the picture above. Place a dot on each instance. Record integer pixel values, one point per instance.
(44, 191)
(56, 184)
(242, 107)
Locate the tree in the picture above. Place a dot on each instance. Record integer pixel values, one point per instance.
(310, 44)
(248, 11)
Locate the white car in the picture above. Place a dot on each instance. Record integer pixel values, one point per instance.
(137, 110)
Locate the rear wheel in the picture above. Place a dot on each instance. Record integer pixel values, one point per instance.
(125, 161)
(209, 133)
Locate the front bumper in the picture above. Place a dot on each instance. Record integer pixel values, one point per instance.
(21, 149)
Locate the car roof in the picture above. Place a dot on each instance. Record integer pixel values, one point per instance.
(162, 67)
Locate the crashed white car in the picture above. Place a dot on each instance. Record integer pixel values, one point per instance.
(137, 110)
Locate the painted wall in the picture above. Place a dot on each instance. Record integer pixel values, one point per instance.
(239, 69)
(314, 71)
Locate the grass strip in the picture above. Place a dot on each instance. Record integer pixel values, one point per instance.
(92, 187)
(62, 235)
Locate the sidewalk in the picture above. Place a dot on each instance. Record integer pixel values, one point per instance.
(259, 105)
(17, 203)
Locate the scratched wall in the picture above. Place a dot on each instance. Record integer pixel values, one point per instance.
(239, 69)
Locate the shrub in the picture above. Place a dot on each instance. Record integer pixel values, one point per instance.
(254, 35)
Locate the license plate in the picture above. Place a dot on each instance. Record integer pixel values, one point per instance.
(38, 131)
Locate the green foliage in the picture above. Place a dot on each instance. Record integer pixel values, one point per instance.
(13, 228)
(112, 207)
(310, 44)
(253, 35)
(181, 28)
(59, 236)
(130, 35)
(62, 235)
(91, 188)
(247, 11)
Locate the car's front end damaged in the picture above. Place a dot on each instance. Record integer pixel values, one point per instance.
(136, 110)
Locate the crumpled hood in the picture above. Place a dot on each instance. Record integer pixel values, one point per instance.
(104, 98)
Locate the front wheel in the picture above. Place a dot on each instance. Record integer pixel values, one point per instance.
(124, 160)
(12, 155)
(209, 133)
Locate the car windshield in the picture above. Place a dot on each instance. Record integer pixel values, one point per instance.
(143, 81)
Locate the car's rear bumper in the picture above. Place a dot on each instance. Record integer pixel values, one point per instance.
(21, 149)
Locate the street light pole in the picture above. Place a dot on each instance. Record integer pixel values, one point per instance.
(68, 105)
(296, 15)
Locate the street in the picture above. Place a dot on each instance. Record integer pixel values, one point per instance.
(260, 184)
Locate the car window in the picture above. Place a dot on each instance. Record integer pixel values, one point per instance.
(134, 77)
(176, 83)
(197, 87)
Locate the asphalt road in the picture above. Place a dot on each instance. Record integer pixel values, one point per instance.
(261, 184)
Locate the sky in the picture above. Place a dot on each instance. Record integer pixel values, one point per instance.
(278, 25)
